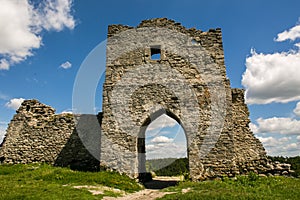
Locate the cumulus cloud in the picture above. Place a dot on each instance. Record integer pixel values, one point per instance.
(166, 150)
(292, 147)
(161, 122)
(298, 137)
(291, 34)
(297, 109)
(67, 111)
(2, 135)
(14, 103)
(161, 139)
(3, 126)
(269, 141)
(55, 15)
(280, 146)
(4, 65)
(66, 65)
(21, 23)
(273, 77)
(278, 125)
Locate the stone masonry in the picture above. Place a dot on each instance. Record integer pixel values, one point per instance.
(187, 82)
(37, 134)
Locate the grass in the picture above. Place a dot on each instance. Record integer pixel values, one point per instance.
(251, 187)
(42, 181)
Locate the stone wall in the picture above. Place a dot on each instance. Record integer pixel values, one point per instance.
(139, 89)
(37, 134)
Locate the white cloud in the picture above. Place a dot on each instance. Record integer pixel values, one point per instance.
(161, 139)
(14, 103)
(282, 132)
(3, 126)
(166, 150)
(21, 24)
(291, 34)
(278, 125)
(292, 147)
(55, 15)
(297, 109)
(162, 121)
(66, 65)
(274, 77)
(253, 127)
(4, 65)
(280, 146)
(67, 111)
(268, 141)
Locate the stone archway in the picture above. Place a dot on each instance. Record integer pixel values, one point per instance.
(188, 80)
(141, 143)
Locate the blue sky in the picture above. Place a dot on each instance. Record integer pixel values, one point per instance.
(42, 46)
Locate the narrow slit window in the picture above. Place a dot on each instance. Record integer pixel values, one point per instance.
(155, 53)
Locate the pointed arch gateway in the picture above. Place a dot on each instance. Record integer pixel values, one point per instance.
(141, 143)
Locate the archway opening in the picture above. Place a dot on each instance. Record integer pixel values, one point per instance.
(162, 148)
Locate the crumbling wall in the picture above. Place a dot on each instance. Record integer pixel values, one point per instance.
(129, 51)
(37, 134)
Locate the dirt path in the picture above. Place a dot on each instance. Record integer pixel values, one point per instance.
(152, 190)
(146, 194)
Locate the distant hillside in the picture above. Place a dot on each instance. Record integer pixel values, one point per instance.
(168, 166)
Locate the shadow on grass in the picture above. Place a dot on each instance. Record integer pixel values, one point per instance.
(159, 184)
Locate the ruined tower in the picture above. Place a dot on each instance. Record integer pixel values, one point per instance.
(186, 81)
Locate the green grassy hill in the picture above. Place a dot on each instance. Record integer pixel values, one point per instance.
(242, 187)
(41, 181)
(175, 167)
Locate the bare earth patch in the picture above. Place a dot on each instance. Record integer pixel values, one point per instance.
(146, 194)
(150, 194)
(96, 190)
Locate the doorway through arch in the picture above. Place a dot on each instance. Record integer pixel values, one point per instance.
(162, 140)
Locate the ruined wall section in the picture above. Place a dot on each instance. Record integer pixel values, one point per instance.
(37, 134)
(250, 153)
(143, 101)
(247, 146)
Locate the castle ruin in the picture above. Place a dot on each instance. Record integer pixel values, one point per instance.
(186, 81)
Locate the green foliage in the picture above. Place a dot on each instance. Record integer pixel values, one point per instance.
(177, 166)
(250, 180)
(243, 187)
(41, 181)
(155, 164)
(294, 161)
